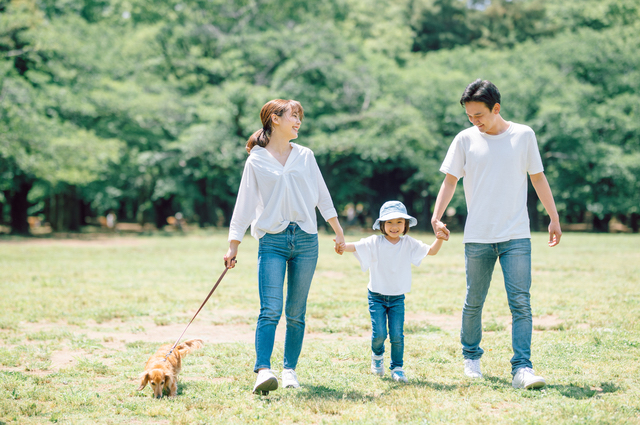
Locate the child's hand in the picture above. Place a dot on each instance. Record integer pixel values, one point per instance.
(442, 232)
(340, 245)
(442, 235)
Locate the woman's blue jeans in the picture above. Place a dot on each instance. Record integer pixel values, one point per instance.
(515, 260)
(389, 308)
(295, 253)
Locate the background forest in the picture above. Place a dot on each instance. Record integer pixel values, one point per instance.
(143, 107)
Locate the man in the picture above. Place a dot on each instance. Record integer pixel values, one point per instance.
(494, 157)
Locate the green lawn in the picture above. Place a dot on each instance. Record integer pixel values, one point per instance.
(78, 320)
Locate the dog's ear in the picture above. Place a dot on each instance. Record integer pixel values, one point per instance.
(144, 380)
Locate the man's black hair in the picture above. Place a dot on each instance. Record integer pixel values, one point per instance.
(481, 91)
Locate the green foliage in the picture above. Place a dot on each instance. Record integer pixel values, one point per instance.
(144, 107)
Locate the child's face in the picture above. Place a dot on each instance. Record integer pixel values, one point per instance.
(394, 228)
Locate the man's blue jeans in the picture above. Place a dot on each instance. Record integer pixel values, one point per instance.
(515, 260)
(295, 253)
(391, 308)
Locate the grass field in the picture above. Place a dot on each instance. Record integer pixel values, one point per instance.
(79, 318)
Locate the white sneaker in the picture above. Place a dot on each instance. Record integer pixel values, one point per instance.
(472, 368)
(526, 378)
(398, 375)
(265, 382)
(377, 365)
(290, 379)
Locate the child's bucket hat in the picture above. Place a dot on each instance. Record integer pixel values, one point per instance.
(391, 210)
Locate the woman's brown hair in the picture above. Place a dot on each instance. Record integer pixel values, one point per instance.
(278, 107)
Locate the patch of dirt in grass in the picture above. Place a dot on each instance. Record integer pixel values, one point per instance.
(547, 323)
(64, 358)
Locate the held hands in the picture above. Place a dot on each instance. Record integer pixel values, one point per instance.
(340, 245)
(442, 235)
(440, 230)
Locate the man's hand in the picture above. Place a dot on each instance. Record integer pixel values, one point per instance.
(554, 233)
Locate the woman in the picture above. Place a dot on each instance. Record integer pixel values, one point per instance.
(280, 189)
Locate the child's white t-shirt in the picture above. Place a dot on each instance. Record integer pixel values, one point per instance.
(389, 264)
(494, 171)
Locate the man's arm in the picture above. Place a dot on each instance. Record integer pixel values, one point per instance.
(541, 185)
(442, 201)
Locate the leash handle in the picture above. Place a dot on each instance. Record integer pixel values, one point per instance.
(194, 316)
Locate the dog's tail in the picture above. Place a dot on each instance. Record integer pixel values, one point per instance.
(189, 346)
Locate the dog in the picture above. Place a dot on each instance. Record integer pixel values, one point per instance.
(162, 374)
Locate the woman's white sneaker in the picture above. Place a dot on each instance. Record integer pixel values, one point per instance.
(472, 368)
(290, 379)
(526, 378)
(265, 382)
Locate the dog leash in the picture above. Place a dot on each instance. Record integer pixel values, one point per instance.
(194, 316)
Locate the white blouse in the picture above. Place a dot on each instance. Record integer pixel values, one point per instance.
(272, 195)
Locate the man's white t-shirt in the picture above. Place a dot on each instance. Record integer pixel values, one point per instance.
(389, 264)
(494, 171)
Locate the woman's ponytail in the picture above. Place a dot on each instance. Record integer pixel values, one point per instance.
(260, 138)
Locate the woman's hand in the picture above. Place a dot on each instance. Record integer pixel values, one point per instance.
(232, 253)
(339, 240)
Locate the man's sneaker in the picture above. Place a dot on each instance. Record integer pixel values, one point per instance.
(398, 375)
(526, 378)
(290, 379)
(377, 365)
(265, 382)
(472, 368)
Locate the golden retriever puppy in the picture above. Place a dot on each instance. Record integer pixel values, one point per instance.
(163, 374)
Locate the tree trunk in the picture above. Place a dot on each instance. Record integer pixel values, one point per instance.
(601, 224)
(634, 222)
(65, 210)
(204, 207)
(19, 204)
(162, 209)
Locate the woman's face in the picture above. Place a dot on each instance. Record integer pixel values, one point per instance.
(288, 124)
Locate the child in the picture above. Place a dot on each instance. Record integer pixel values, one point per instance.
(388, 257)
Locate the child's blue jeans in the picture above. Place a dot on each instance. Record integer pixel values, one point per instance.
(387, 309)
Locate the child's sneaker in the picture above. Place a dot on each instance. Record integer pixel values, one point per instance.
(472, 368)
(398, 375)
(526, 378)
(290, 379)
(377, 365)
(265, 382)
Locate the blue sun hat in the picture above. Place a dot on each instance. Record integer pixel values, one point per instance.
(393, 209)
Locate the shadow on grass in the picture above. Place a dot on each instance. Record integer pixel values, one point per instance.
(570, 391)
(320, 391)
(422, 384)
(495, 381)
(585, 391)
